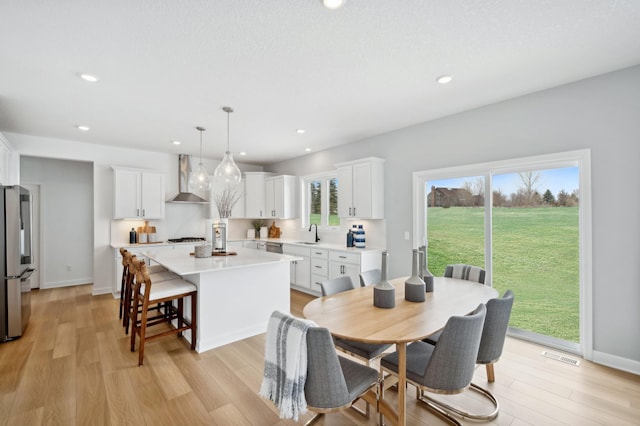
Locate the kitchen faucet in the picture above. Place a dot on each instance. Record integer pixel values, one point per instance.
(316, 225)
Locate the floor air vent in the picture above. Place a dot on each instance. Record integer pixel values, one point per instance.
(561, 358)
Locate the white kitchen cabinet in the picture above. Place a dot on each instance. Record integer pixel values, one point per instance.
(300, 269)
(138, 194)
(4, 164)
(254, 244)
(319, 268)
(361, 189)
(9, 163)
(280, 197)
(351, 263)
(254, 205)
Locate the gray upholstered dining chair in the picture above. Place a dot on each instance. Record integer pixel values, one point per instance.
(336, 285)
(494, 333)
(370, 277)
(333, 382)
(367, 352)
(465, 272)
(446, 368)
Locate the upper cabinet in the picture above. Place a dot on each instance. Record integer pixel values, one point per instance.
(9, 164)
(361, 189)
(269, 197)
(280, 197)
(254, 207)
(138, 194)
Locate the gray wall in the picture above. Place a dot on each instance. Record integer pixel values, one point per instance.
(601, 114)
(66, 199)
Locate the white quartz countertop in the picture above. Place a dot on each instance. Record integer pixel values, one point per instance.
(182, 263)
(319, 245)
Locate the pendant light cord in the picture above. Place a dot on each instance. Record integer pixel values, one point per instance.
(228, 110)
(200, 129)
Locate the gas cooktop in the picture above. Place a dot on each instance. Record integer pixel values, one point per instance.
(186, 239)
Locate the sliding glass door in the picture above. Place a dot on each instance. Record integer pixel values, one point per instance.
(531, 235)
(535, 250)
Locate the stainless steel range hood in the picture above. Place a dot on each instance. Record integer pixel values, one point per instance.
(184, 196)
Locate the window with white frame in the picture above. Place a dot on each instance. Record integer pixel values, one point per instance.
(321, 200)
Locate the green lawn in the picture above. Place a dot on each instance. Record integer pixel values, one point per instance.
(535, 253)
(334, 220)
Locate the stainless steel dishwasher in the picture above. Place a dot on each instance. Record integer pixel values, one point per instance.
(273, 247)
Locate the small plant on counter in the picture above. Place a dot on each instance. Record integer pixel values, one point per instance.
(257, 224)
(225, 200)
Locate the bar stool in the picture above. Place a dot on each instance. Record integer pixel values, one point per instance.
(147, 293)
(160, 274)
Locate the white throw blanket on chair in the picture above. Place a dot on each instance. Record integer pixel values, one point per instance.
(285, 364)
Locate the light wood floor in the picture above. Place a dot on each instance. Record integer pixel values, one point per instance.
(73, 366)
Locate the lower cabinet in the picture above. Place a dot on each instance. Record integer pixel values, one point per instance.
(319, 268)
(352, 263)
(300, 269)
(321, 264)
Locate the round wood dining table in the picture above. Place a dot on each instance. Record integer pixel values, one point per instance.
(352, 315)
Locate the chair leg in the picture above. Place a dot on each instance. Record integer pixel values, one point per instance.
(122, 285)
(490, 374)
(133, 320)
(143, 332)
(314, 419)
(128, 295)
(180, 315)
(430, 405)
(435, 404)
(194, 320)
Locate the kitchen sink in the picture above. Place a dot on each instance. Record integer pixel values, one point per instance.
(306, 242)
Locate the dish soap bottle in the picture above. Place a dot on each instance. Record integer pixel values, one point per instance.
(133, 236)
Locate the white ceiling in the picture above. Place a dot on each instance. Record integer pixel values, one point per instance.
(166, 66)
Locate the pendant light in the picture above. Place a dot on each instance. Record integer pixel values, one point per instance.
(199, 178)
(227, 175)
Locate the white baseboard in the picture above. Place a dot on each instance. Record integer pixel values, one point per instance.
(617, 362)
(67, 283)
(104, 290)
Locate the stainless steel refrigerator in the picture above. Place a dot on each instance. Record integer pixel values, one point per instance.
(15, 261)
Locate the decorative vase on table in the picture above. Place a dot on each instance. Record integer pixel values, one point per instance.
(384, 293)
(414, 288)
(424, 272)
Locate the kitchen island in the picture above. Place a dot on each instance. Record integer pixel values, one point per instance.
(236, 294)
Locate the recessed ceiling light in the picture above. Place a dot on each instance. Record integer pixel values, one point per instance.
(300, 131)
(176, 142)
(242, 153)
(444, 79)
(307, 149)
(83, 128)
(88, 77)
(333, 4)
